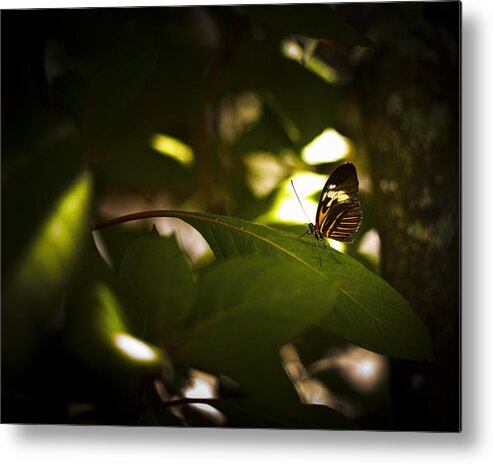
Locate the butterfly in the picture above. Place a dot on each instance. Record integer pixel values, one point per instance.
(339, 212)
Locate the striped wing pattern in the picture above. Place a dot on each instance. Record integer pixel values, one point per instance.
(339, 212)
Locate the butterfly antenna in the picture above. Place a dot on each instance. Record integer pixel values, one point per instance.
(299, 201)
(308, 219)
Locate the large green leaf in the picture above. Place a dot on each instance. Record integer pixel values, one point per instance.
(158, 281)
(269, 296)
(246, 309)
(97, 331)
(368, 311)
(43, 230)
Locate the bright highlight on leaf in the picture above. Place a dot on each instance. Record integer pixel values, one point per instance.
(47, 262)
(201, 386)
(292, 49)
(328, 147)
(174, 148)
(134, 348)
(204, 386)
(109, 308)
(98, 334)
(339, 246)
(364, 370)
(322, 69)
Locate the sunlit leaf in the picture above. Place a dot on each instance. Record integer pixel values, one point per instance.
(368, 311)
(98, 334)
(135, 162)
(45, 207)
(172, 147)
(298, 104)
(42, 270)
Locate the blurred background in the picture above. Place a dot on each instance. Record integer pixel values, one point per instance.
(113, 111)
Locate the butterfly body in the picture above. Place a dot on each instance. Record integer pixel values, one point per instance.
(339, 212)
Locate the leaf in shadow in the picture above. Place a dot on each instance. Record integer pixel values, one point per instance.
(158, 281)
(246, 309)
(317, 21)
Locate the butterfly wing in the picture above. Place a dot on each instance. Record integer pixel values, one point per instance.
(339, 212)
(343, 221)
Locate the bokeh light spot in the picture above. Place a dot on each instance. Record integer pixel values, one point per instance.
(174, 148)
(204, 386)
(292, 49)
(328, 147)
(264, 172)
(134, 348)
(366, 369)
(287, 208)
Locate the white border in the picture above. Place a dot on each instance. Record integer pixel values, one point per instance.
(57, 444)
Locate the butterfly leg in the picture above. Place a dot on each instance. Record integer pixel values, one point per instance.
(318, 249)
(331, 252)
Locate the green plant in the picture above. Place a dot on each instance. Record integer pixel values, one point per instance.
(107, 327)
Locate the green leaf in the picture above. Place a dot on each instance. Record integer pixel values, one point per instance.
(41, 271)
(368, 311)
(317, 21)
(134, 162)
(158, 281)
(297, 104)
(246, 309)
(116, 241)
(303, 102)
(97, 331)
(268, 295)
(45, 208)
